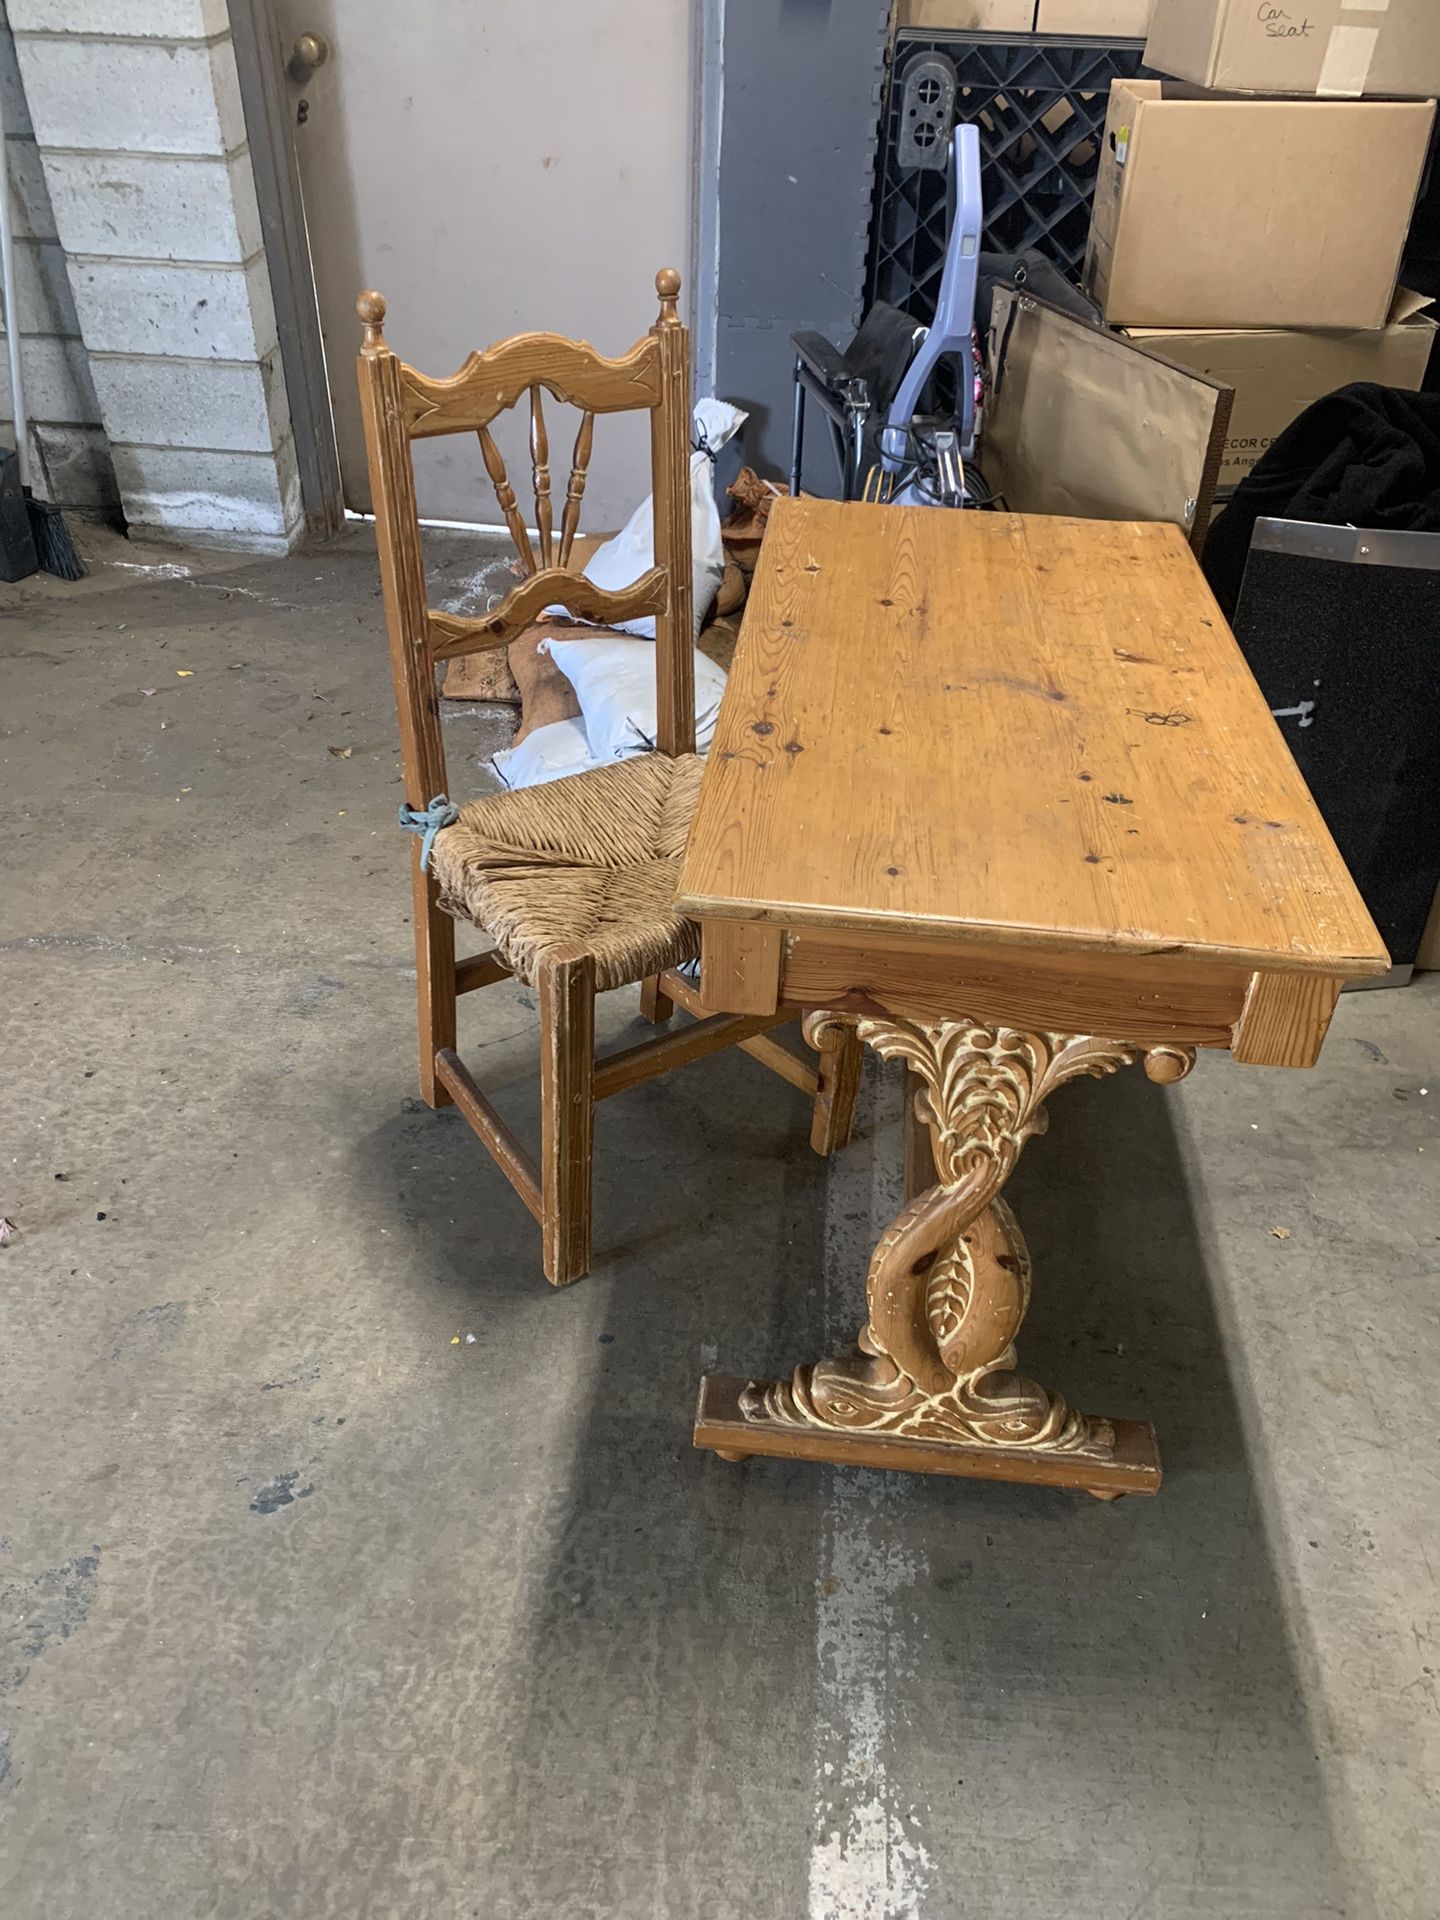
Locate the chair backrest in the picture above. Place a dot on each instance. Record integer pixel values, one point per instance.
(400, 405)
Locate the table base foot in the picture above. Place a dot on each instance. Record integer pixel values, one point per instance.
(722, 1426)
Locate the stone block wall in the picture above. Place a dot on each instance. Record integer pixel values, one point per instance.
(135, 106)
(68, 448)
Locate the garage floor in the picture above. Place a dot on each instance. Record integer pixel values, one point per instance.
(308, 1610)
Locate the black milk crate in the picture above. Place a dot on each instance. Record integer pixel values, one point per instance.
(1040, 104)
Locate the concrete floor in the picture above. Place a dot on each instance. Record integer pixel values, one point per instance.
(306, 1610)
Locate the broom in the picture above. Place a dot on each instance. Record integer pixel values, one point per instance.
(54, 549)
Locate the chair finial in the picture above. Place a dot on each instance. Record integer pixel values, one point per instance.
(371, 309)
(667, 285)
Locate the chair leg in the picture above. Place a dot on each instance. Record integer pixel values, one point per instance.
(434, 980)
(656, 1006)
(840, 1059)
(567, 1111)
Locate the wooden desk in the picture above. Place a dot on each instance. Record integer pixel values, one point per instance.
(1001, 795)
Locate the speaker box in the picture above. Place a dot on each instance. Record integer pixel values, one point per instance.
(1341, 628)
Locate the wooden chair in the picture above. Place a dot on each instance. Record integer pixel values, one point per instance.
(574, 881)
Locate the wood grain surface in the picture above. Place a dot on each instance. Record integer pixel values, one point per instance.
(490, 382)
(1011, 730)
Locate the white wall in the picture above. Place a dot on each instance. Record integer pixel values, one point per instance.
(494, 167)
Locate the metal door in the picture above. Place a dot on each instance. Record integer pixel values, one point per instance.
(492, 167)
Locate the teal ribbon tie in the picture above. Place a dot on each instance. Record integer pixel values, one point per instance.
(427, 822)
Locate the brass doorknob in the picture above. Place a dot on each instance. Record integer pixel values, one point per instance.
(311, 50)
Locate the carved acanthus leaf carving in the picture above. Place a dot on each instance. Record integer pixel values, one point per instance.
(986, 1087)
(949, 1282)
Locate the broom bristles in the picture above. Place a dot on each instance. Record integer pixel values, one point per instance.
(54, 548)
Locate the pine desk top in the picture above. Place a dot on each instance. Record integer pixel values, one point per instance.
(1012, 731)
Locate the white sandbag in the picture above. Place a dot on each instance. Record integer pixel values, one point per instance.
(614, 681)
(549, 753)
(631, 553)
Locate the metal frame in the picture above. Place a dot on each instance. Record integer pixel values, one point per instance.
(820, 373)
(707, 31)
(1358, 546)
(260, 61)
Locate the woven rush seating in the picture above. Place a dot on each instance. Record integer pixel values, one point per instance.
(590, 860)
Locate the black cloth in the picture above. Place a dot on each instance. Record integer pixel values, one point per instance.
(1367, 456)
(880, 355)
(881, 352)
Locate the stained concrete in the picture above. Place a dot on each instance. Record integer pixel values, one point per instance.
(310, 1610)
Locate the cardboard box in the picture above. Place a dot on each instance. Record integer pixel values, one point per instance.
(1339, 49)
(1217, 212)
(1101, 19)
(969, 16)
(1277, 374)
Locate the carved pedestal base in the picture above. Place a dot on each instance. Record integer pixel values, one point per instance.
(932, 1386)
(722, 1424)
